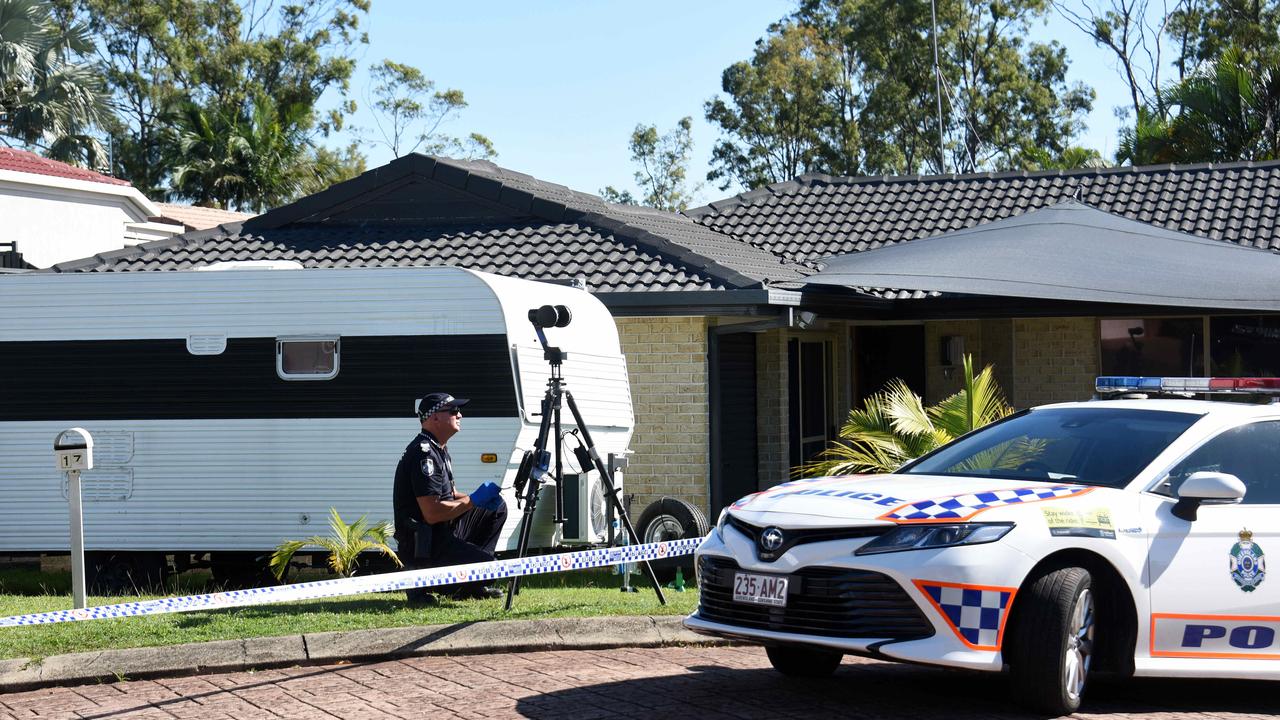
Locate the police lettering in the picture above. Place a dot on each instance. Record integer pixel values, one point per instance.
(876, 498)
(1244, 637)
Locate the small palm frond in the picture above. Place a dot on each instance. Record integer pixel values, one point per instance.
(894, 427)
(344, 544)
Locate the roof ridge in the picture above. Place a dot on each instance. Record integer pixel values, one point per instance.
(810, 179)
(593, 211)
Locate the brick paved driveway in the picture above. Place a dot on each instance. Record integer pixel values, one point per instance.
(701, 683)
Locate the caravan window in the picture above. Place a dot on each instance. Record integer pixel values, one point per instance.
(309, 358)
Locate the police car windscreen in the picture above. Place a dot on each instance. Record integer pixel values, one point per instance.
(1092, 446)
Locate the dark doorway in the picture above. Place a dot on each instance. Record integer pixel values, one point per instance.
(885, 352)
(734, 455)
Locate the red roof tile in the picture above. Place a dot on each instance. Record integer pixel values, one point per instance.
(28, 162)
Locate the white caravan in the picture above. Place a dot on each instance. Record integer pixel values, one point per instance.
(231, 410)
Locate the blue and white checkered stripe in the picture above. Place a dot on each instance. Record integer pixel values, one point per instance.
(963, 507)
(389, 582)
(976, 614)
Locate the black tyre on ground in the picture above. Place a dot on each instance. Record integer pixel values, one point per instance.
(671, 519)
(1052, 645)
(804, 662)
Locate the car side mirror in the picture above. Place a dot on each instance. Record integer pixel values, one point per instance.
(1205, 486)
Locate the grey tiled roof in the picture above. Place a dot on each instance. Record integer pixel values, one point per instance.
(419, 210)
(542, 252)
(817, 216)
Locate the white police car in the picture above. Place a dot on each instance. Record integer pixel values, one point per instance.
(1127, 536)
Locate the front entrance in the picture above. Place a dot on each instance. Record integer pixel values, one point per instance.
(734, 456)
(883, 353)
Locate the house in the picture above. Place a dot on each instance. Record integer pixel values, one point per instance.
(740, 369)
(54, 212)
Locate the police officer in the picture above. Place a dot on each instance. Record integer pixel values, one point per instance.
(436, 525)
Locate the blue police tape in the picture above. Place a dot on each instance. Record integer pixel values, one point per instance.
(388, 582)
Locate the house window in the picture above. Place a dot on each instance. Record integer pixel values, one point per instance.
(1245, 346)
(307, 358)
(1171, 347)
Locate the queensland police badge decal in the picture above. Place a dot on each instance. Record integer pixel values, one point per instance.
(1248, 563)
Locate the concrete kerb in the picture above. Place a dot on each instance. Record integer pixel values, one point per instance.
(330, 647)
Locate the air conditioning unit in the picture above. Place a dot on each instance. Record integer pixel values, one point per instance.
(586, 510)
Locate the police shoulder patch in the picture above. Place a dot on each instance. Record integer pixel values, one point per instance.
(428, 467)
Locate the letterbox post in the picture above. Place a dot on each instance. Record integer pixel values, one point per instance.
(73, 452)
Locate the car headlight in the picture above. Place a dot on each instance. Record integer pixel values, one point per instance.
(724, 518)
(925, 537)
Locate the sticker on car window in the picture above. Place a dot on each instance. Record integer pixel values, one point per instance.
(1095, 523)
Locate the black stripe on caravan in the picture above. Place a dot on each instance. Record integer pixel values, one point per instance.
(160, 380)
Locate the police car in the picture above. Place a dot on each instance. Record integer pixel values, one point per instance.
(1128, 536)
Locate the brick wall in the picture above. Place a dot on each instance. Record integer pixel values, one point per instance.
(940, 380)
(1055, 359)
(667, 362)
(772, 398)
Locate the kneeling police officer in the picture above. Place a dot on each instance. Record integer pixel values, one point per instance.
(436, 525)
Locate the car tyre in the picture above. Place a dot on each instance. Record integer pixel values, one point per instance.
(1052, 646)
(804, 662)
(670, 519)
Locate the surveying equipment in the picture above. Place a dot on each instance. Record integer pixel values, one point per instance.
(537, 463)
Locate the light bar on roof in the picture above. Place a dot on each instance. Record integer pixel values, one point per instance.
(1237, 385)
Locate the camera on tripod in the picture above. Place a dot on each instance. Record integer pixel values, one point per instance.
(544, 463)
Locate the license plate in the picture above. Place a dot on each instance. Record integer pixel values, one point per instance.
(760, 589)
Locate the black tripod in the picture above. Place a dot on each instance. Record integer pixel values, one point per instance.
(536, 463)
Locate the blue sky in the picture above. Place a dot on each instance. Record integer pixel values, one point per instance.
(559, 86)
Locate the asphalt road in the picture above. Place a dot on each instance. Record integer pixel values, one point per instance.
(692, 682)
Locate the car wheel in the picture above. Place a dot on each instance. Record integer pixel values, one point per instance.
(671, 519)
(1053, 641)
(804, 662)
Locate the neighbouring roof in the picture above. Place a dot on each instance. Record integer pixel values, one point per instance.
(818, 216)
(418, 210)
(29, 162)
(1071, 252)
(194, 217)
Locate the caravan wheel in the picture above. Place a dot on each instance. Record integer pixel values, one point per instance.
(671, 519)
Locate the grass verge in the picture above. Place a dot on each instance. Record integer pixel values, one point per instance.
(578, 594)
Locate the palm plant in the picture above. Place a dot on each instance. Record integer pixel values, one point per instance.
(894, 426)
(47, 99)
(345, 543)
(1226, 111)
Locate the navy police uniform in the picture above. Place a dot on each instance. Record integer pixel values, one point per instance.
(425, 470)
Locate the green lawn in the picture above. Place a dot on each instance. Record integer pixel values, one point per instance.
(579, 594)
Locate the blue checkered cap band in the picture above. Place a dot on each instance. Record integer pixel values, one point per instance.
(435, 402)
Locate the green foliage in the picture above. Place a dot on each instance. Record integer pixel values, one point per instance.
(847, 87)
(50, 97)
(162, 57)
(344, 545)
(894, 427)
(246, 157)
(1205, 29)
(1223, 112)
(663, 167)
(408, 107)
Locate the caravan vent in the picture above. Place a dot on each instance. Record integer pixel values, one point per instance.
(112, 447)
(206, 344)
(106, 485)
